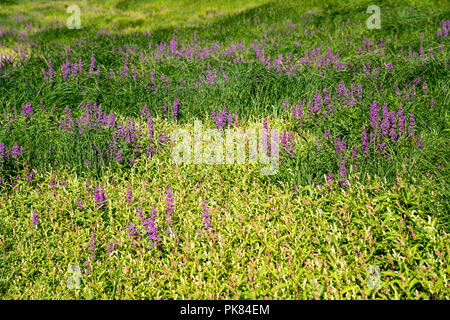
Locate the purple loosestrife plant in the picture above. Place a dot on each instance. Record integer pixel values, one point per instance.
(29, 178)
(133, 232)
(119, 156)
(343, 174)
(385, 120)
(150, 226)
(129, 195)
(412, 127)
(287, 144)
(169, 205)
(153, 228)
(87, 264)
(15, 151)
(44, 73)
(112, 121)
(34, 219)
(266, 137)
(176, 103)
(205, 215)
(80, 65)
(80, 204)
(135, 75)
(51, 74)
(355, 157)
(392, 125)
(2, 150)
(65, 70)
(27, 110)
(329, 180)
(284, 141)
(92, 246)
(91, 68)
(165, 110)
(111, 247)
(145, 112)
(213, 115)
(100, 198)
(151, 132)
(151, 135)
(401, 122)
(374, 122)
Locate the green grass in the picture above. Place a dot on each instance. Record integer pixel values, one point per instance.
(293, 235)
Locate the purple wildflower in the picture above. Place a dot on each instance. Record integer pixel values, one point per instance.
(169, 205)
(80, 204)
(392, 124)
(354, 157)
(35, 220)
(419, 142)
(112, 121)
(15, 151)
(129, 195)
(205, 215)
(119, 156)
(385, 120)
(87, 264)
(374, 115)
(175, 108)
(133, 232)
(44, 73)
(150, 226)
(27, 110)
(425, 88)
(412, 126)
(329, 179)
(402, 121)
(360, 92)
(2, 150)
(100, 198)
(111, 247)
(80, 65)
(91, 68)
(343, 173)
(92, 246)
(51, 74)
(266, 137)
(150, 128)
(365, 142)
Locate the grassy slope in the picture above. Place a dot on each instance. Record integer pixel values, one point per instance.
(268, 240)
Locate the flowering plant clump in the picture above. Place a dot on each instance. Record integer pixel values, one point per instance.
(354, 120)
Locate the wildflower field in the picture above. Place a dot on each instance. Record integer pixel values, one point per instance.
(93, 205)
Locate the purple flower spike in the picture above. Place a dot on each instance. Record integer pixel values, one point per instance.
(175, 108)
(15, 151)
(129, 196)
(365, 142)
(112, 121)
(412, 126)
(100, 198)
(169, 205)
(27, 110)
(35, 220)
(133, 232)
(205, 215)
(91, 68)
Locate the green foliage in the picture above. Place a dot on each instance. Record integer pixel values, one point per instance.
(293, 235)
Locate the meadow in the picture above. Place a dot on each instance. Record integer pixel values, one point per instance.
(92, 205)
